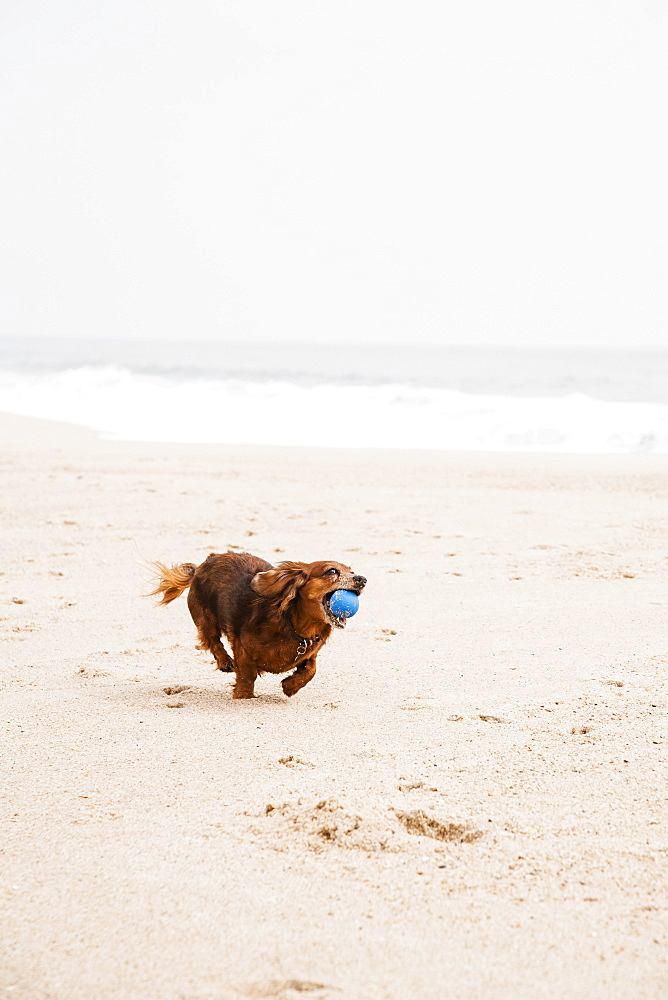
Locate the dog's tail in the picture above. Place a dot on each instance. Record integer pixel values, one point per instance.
(172, 580)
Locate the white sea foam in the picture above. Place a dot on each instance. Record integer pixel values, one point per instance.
(123, 405)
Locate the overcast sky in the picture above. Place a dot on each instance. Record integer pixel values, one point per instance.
(478, 172)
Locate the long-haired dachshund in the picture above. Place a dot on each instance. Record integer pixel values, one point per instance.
(276, 618)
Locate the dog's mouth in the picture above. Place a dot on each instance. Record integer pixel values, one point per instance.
(334, 619)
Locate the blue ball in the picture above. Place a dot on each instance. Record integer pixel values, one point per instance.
(344, 603)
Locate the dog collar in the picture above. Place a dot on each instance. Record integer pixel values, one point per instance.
(303, 644)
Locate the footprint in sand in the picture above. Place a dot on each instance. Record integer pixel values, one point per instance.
(286, 989)
(294, 762)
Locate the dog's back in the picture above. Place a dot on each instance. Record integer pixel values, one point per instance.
(221, 585)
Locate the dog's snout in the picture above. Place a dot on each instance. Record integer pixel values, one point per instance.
(360, 581)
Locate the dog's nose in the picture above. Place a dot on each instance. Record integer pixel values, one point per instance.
(360, 581)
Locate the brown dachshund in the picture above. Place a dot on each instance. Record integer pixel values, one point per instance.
(276, 618)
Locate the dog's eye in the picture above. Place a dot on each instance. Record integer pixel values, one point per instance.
(332, 572)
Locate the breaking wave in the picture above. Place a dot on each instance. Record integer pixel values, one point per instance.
(123, 405)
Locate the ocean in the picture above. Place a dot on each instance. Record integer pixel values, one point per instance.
(387, 396)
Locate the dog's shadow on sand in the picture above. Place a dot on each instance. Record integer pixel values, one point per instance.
(175, 697)
(180, 696)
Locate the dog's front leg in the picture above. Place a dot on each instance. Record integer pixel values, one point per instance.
(246, 677)
(304, 673)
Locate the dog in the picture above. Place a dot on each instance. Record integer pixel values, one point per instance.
(275, 618)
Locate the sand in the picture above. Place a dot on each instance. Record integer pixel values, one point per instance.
(468, 801)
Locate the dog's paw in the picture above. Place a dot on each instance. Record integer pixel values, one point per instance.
(238, 692)
(289, 687)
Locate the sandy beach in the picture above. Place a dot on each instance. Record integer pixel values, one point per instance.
(468, 801)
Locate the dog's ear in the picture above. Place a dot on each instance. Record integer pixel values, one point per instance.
(282, 583)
